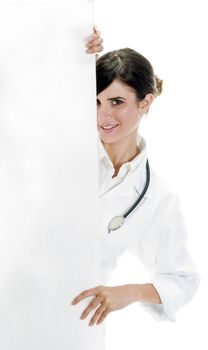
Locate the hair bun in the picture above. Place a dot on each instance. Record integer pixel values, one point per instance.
(159, 85)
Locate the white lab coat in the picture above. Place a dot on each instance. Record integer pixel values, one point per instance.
(154, 231)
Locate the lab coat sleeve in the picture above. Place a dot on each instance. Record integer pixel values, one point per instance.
(162, 250)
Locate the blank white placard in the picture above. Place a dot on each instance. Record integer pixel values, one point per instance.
(48, 245)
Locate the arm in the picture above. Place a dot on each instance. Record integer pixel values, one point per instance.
(174, 278)
(162, 250)
(146, 293)
(108, 299)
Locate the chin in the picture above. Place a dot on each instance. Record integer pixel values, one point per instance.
(107, 139)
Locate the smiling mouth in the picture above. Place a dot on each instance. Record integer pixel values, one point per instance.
(109, 127)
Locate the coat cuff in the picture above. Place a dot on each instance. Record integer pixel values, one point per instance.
(172, 296)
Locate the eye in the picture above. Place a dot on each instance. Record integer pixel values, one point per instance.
(117, 102)
(98, 102)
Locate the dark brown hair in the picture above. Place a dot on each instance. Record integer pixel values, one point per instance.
(131, 68)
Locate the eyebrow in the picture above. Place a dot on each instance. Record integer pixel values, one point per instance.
(115, 98)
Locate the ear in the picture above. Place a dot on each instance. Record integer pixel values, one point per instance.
(146, 102)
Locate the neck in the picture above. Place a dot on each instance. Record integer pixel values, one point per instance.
(122, 152)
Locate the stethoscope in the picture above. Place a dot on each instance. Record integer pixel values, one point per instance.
(118, 221)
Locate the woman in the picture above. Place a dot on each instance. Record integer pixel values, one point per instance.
(154, 231)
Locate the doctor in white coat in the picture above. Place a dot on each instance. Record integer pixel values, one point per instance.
(154, 231)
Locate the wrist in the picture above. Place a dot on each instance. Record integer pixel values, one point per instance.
(136, 292)
(145, 293)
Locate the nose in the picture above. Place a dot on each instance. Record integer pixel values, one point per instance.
(104, 113)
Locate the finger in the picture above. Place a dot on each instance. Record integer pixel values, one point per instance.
(94, 303)
(92, 38)
(95, 29)
(85, 294)
(93, 43)
(103, 316)
(95, 49)
(97, 314)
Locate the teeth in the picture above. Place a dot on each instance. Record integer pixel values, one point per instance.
(108, 127)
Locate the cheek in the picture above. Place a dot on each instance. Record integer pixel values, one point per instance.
(129, 116)
(123, 113)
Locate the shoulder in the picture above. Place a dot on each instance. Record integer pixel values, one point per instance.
(160, 190)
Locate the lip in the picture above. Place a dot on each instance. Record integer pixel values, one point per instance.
(108, 131)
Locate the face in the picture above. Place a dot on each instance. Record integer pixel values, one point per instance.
(119, 113)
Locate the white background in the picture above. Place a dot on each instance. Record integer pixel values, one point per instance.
(173, 36)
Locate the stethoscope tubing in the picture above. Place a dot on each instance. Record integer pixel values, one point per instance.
(143, 192)
(118, 221)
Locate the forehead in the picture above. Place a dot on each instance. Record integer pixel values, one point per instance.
(117, 88)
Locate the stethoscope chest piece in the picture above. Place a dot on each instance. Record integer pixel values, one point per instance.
(118, 221)
(115, 223)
